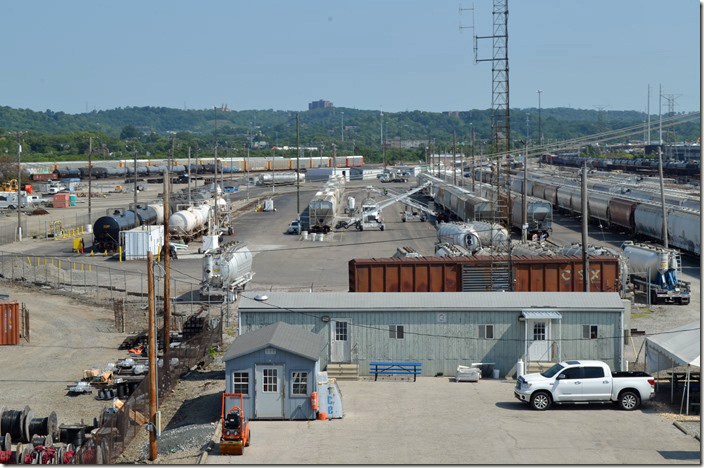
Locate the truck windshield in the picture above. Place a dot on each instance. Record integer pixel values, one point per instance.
(552, 371)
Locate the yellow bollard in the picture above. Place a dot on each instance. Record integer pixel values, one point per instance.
(59, 263)
(29, 261)
(120, 254)
(158, 256)
(106, 253)
(81, 266)
(91, 253)
(90, 267)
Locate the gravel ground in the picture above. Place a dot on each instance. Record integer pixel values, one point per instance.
(693, 427)
(67, 336)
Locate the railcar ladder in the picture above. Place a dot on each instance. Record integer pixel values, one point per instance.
(500, 266)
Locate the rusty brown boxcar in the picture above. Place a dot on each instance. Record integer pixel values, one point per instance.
(621, 213)
(9, 323)
(452, 274)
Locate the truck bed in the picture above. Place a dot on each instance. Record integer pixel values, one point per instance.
(617, 375)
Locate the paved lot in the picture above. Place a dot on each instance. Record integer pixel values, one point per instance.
(436, 421)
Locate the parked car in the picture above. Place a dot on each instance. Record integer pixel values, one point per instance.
(294, 227)
(584, 381)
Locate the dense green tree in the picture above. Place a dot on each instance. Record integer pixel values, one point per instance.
(128, 132)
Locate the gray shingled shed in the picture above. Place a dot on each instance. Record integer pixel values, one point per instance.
(275, 369)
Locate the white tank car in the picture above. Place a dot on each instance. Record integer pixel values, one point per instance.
(531, 249)
(473, 236)
(159, 208)
(190, 223)
(575, 250)
(284, 178)
(226, 270)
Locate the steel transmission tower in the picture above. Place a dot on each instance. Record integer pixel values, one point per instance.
(501, 141)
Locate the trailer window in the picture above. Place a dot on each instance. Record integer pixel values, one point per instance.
(590, 332)
(486, 332)
(240, 383)
(396, 332)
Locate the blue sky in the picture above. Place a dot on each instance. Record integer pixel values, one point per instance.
(395, 54)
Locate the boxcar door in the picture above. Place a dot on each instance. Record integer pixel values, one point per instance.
(269, 393)
(340, 349)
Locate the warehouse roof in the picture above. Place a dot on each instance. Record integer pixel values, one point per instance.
(430, 301)
(278, 335)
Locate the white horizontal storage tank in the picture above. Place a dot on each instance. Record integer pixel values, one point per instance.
(472, 236)
(138, 241)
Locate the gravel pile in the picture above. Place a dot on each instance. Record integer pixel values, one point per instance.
(184, 438)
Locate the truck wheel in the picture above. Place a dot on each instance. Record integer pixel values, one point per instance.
(628, 401)
(540, 401)
(249, 437)
(382, 227)
(653, 298)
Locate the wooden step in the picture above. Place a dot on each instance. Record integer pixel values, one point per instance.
(343, 371)
(538, 367)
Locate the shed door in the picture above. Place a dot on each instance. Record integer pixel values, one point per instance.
(269, 392)
(340, 349)
(538, 340)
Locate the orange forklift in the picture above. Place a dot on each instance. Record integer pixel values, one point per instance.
(235, 427)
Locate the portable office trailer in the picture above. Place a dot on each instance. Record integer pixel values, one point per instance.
(276, 369)
(444, 330)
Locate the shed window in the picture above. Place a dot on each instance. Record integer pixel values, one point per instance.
(240, 382)
(396, 332)
(486, 332)
(590, 332)
(299, 383)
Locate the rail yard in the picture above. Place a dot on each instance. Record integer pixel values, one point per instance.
(201, 271)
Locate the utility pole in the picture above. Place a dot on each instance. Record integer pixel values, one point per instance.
(167, 264)
(19, 189)
(524, 198)
(585, 228)
(334, 158)
(660, 113)
(134, 154)
(454, 157)
(298, 162)
(540, 122)
(648, 139)
(90, 177)
(249, 143)
(473, 158)
(189, 176)
(662, 200)
(342, 126)
(152, 348)
(215, 190)
(381, 138)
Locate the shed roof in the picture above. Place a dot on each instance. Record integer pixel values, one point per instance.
(283, 301)
(278, 335)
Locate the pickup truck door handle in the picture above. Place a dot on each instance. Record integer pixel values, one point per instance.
(604, 381)
(577, 383)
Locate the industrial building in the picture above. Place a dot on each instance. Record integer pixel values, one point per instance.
(275, 369)
(444, 330)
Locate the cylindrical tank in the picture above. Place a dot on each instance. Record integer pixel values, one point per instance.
(183, 222)
(473, 236)
(683, 229)
(106, 230)
(159, 209)
(575, 250)
(643, 258)
(531, 249)
(351, 203)
(223, 269)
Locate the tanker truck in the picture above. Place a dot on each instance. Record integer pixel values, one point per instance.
(226, 271)
(656, 271)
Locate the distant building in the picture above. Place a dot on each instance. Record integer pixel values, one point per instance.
(320, 104)
(451, 113)
(396, 142)
(680, 152)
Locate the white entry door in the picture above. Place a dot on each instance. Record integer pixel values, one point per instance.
(269, 392)
(340, 349)
(538, 340)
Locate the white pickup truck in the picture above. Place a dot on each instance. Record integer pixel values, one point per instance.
(584, 382)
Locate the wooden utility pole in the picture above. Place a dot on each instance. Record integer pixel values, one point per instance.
(454, 157)
(662, 199)
(585, 227)
(189, 176)
(152, 348)
(167, 268)
(524, 197)
(298, 163)
(473, 163)
(90, 177)
(134, 151)
(19, 189)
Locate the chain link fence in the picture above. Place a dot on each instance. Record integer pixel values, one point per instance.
(117, 428)
(43, 226)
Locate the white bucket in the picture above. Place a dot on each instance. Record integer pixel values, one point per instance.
(496, 373)
(89, 228)
(320, 237)
(304, 235)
